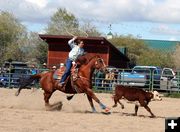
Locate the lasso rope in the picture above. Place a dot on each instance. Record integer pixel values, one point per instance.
(75, 35)
(69, 32)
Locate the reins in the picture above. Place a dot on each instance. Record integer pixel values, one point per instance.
(95, 62)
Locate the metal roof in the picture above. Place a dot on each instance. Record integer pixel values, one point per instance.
(162, 44)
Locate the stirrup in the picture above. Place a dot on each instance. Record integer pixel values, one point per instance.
(61, 84)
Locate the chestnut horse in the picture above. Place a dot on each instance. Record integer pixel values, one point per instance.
(83, 84)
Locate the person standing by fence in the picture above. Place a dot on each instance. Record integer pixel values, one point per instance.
(99, 79)
(109, 79)
(44, 66)
(33, 72)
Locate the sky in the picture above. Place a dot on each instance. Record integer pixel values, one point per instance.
(146, 19)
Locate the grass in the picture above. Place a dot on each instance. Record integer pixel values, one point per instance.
(172, 95)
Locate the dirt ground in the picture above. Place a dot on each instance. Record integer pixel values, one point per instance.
(26, 113)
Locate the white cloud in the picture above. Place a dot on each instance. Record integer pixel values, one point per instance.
(165, 30)
(172, 38)
(167, 11)
(26, 11)
(40, 3)
(107, 11)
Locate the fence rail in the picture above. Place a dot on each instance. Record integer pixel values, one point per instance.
(149, 80)
(105, 82)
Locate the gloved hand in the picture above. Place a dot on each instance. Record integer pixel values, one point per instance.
(75, 37)
(74, 63)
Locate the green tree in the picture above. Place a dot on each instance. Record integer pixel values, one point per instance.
(41, 53)
(65, 23)
(141, 54)
(12, 34)
(35, 49)
(175, 56)
(88, 28)
(62, 21)
(156, 58)
(134, 46)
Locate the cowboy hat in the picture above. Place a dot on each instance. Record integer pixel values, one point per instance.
(54, 67)
(61, 64)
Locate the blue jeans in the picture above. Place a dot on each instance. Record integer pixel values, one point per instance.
(68, 70)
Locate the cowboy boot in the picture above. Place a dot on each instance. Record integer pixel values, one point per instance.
(61, 84)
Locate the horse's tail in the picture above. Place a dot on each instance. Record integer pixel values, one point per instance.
(24, 82)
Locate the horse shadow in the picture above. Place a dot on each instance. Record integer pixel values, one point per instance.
(90, 112)
(58, 106)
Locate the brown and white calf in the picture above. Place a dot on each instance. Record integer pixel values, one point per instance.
(135, 94)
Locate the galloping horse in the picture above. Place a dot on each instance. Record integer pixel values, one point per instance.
(83, 84)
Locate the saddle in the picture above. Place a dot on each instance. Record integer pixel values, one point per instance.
(59, 72)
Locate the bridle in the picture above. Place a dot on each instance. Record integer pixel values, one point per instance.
(96, 62)
(100, 60)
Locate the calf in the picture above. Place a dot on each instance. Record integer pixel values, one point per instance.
(134, 94)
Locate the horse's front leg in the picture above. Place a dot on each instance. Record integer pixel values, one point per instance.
(91, 103)
(90, 93)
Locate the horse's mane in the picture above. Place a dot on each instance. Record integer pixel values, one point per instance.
(83, 60)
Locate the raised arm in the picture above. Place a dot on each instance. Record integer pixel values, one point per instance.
(71, 41)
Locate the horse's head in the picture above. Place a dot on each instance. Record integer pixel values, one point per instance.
(96, 61)
(99, 64)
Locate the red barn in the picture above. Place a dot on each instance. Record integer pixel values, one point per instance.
(58, 50)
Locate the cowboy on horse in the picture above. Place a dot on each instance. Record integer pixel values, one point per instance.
(83, 83)
(76, 51)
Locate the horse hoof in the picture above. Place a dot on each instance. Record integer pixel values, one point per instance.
(16, 93)
(114, 106)
(59, 106)
(54, 107)
(48, 108)
(106, 111)
(153, 116)
(134, 114)
(94, 111)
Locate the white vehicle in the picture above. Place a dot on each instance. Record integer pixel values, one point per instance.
(169, 80)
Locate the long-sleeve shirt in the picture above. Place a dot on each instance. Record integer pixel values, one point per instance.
(76, 51)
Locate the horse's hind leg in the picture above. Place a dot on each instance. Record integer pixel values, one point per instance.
(54, 106)
(91, 103)
(47, 96)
